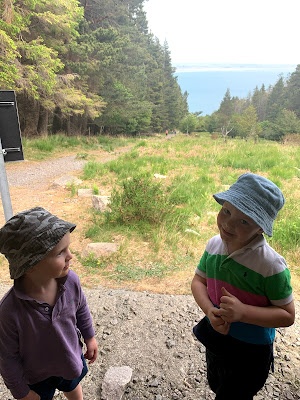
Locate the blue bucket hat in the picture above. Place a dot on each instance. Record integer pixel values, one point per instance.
(257, 197)
(29, 236)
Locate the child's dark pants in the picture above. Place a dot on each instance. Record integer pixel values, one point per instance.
(46, 389)
(235, 370)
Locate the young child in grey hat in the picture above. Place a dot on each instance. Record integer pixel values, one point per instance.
(45, 313)
(243, 287)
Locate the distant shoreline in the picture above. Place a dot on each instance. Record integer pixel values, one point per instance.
(206, 84)
(204, 67)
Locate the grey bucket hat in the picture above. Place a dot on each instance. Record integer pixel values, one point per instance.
(257, 197)
(29, 236)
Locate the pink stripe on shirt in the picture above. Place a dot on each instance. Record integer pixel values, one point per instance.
(214, 287)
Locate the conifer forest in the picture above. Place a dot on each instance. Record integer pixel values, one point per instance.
(87, 67)
(93, 67)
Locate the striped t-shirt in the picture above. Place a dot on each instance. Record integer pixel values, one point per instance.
(255, 274)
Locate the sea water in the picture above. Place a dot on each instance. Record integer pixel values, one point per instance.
(207, 84)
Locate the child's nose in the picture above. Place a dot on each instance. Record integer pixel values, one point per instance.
(69, 255)
(230, 222)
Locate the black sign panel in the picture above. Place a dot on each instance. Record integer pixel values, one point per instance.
(9, 127)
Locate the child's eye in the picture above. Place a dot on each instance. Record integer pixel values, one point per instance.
(226, 211)
(244, 222)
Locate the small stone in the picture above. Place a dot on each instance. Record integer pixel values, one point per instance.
(154, 383)
(100, 249)
(64, 181)
(289, 395)
(101, 203)
(269, 389)
(85, 192)
(158, 176)
(170, 344)
(115, 382)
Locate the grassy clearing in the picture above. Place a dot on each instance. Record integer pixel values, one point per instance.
(163, 224)
(150, 217)
(50, 146)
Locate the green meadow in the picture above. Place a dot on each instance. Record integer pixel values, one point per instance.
(51, 146)
(163, 223)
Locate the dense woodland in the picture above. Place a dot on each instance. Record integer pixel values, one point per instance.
(272, 113)
(87, 67)
(92, 66)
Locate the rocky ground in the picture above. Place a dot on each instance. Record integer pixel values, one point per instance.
(152, 334)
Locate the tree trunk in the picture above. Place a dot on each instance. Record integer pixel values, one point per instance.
(28, 115)
(57, 120)
(84, 124)
(42, 126)
(68, 126)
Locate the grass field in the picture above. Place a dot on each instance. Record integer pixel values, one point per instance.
(163, 223)
(52, 146)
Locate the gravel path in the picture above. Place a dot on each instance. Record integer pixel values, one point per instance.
(152, 334)
(38, 174)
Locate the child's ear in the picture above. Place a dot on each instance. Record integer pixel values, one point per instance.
(260, 231)
(30, 271)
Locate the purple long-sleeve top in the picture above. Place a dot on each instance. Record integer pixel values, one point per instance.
(38, 341)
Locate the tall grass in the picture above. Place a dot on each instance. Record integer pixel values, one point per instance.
(195, 168)
(44, 147)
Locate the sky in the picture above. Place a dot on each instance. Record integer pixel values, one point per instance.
(227, 31)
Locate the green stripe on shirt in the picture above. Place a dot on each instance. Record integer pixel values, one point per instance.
(278, 286)
(226, 269)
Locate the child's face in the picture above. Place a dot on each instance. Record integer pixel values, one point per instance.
(56, 263)
(236, 228)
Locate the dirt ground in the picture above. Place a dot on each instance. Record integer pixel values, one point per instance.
(31, 185)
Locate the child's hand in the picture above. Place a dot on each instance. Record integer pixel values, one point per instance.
(231, 308)
(217, 322)
(31, 396)
(91, 349)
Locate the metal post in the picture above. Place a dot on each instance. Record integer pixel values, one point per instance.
(4, 189)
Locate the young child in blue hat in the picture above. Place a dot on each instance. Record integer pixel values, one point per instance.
(243, 287)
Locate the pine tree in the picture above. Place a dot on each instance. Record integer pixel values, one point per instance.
(259, 101)
(275, 101)
(293, 92)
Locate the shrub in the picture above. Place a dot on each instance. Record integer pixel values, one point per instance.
(140, 199)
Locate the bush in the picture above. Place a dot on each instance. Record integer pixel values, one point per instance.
(140, 199)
